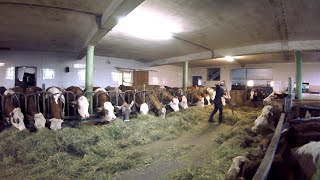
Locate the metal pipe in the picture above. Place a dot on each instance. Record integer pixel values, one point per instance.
(298, 60)
(185, 77)
(89, 76)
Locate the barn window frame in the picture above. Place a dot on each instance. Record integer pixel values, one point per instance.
(214, 74)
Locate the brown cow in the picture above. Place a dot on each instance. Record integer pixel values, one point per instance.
(13, 113)
(102, 105)
(57, 102)
(32, 113)
(81, 103)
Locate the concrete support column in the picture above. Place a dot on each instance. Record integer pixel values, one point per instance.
(288, 100)
(185, 77)
(298, 60)
(89, 76)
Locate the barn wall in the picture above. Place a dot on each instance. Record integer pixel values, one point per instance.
(202, 71)
(104, 73)
(281, 72)
(168, 75)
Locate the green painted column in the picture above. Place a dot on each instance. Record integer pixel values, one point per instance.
(89, 76)
(298, 59)
(185, 77)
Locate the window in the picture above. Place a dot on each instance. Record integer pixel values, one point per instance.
(10, 73)
(127, 78)
(213, 74)
(255, 77)
(48, 74)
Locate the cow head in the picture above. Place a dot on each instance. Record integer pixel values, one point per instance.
(39, 120)
(55, 124)
(174, 104)
(83, 107)
(126, 111)
(212, 93)
(201, 102)
(109, 111)
(251, 94)
(184, 102)
(144, 108)
(16, 119)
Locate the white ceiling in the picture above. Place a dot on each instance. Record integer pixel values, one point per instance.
(206, 25)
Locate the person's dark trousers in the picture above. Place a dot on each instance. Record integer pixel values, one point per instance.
(216, 108)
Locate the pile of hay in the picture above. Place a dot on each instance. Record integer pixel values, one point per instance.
(88, 152)
(235, 139)
(100, 152)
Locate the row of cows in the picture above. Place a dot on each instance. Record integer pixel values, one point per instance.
(297, 153)
(32, 107)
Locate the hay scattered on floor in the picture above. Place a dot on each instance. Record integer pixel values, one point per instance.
(100, 152)
(236, 139)
(89, 151)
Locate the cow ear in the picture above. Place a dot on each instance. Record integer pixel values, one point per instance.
(99, 109)
(30, 118)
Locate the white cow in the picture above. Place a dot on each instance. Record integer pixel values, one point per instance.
(110, 116)
(55, 124)
(184, 102)
(262, 120)
(144, 109)
(174, 104)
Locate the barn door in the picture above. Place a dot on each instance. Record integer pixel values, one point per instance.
(140, 78)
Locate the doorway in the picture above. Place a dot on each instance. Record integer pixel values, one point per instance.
(196, 81)
(25, 76)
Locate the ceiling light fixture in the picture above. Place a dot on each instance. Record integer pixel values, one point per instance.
(147, 25)
(229, 58)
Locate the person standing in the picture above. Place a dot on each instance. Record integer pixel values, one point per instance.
(217, 103)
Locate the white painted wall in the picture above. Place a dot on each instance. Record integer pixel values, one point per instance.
(167, 75)
(104, 73)
(281, 72)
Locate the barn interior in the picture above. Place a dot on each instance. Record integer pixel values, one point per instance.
(265, 52)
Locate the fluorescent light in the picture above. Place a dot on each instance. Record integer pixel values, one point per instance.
(2, 64)
(79, 66)
(147, 25)
(250, 83)
(229, 58)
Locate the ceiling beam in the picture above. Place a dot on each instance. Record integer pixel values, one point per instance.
(244, 50)
(269, 48)
(190, 57)
(117, 9)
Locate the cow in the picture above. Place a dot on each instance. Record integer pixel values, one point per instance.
(262, 120)
(102, 105)
(56, 101)
(126, 110)
(155, 105)
(184, 102)
(80, 102)
(236, 166)
(167, 98)
(308, 155)
(14, 114)
(32, 113)
(192, 96)
(144, 109)
(284, 165)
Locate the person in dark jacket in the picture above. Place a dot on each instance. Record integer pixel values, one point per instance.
(217, 103)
